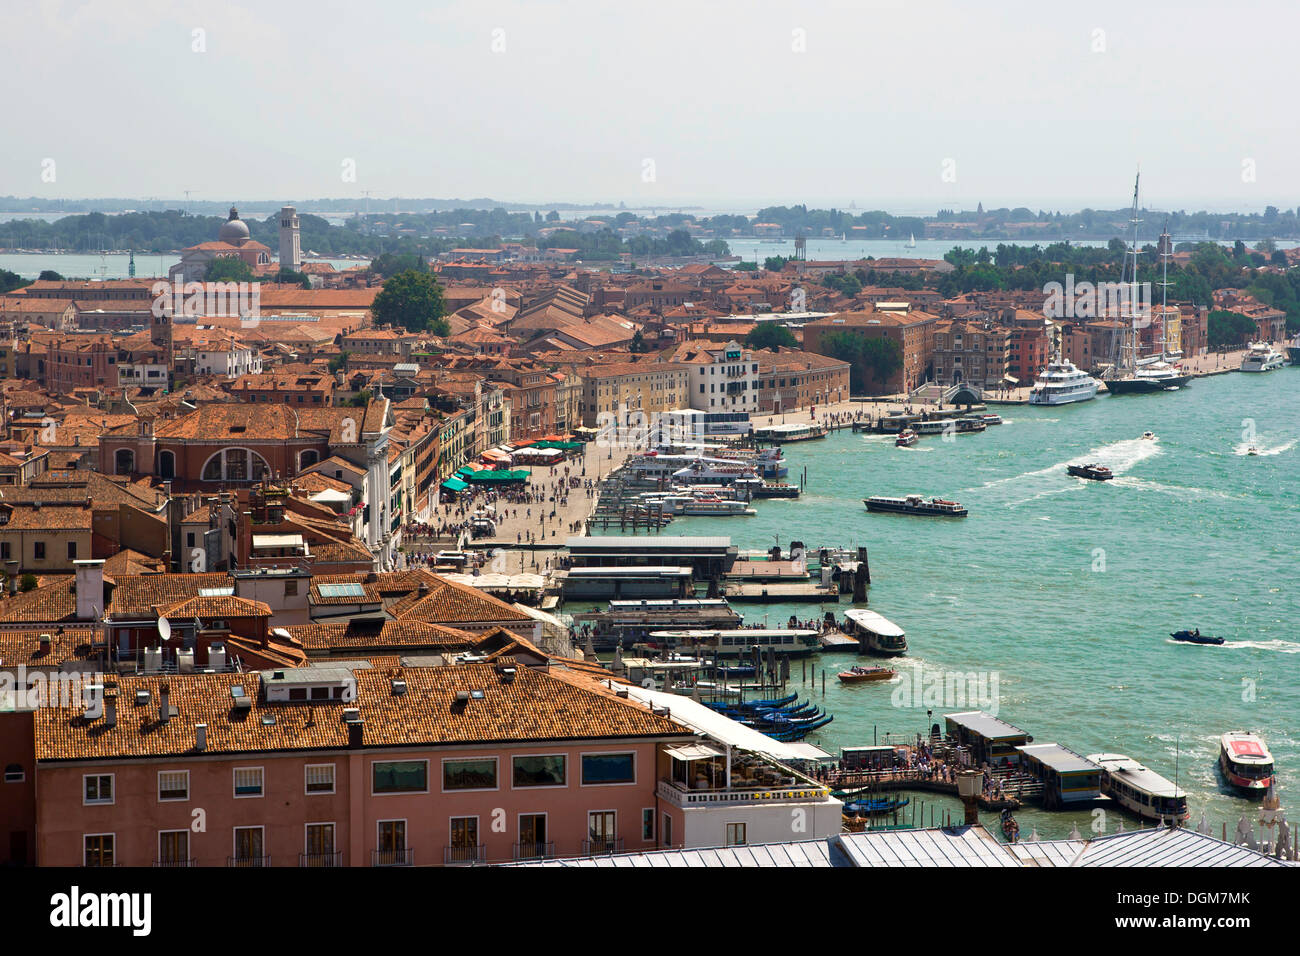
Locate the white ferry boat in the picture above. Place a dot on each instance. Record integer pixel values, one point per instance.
(691, 506)
(875, 633)
(1061, 383)
(1246, 762)
(710, 471)
(1139, 790)
(1262, 357)
(784, 642)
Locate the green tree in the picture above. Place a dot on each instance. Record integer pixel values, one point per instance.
(391, 263)
(228, 269)
(770, 335)
(49, 275)
(412, 300)
(27, 582)
(638, 343)
(289, 277)
(872, 361)
(338, 361)
(10, 280)
(775, 263)
(1230, 328)
(360, 400)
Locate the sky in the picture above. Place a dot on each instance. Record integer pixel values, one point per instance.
(728, 104)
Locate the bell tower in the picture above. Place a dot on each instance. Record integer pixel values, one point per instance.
(290, 244)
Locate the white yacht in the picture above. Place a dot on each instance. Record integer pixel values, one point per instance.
(1262, 357)
(1061, 383)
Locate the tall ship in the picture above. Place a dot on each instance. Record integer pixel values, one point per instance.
(1061, 383)
(1140, 790)
(1246, 762)
(1130, 375)
(1262, 357)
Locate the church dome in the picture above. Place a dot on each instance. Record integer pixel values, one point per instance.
(233, 231)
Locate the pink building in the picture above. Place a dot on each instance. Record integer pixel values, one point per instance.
(350, 766)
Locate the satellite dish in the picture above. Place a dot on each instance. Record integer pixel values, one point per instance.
(164, 629)
(648, 683)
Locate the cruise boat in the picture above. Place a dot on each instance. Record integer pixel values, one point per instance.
(740, 642)
(1262, 357)
(794, 431)
(1246, 762)
(916, 505)
(1139, 790)
(1062, 383)
(1092, 472)
(716, 508)
(906, 438)
(710, 471)
(876, 634)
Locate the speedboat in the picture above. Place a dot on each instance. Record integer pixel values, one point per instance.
(1195, 637)
(862, 675)
(1252, 450)
(1149, 436)
(1093, 472)
(906, 438)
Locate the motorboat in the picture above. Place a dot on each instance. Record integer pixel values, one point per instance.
(1093, 472)
(1195, 637)
(1262, 357)
(864, 675)
(906, 438)
(1246, 762)
(1149, 436)
(916, 505)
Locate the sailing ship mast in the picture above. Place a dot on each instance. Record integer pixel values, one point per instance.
(1126, 338)
(1166, 253)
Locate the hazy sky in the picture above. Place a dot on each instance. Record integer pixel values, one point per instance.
(909, 106)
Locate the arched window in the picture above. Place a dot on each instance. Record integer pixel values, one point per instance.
(308, 458)
(166, 464)
(235, 464)
(123, 461)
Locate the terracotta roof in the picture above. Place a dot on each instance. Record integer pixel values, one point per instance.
(360, 633)
(136, 595)
(448, 602)
(531, 706)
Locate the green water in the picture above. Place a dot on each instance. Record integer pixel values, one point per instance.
(1066, 590)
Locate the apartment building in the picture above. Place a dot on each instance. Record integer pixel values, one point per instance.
(619, 389)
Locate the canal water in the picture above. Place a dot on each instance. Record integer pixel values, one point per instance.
(1060, 594)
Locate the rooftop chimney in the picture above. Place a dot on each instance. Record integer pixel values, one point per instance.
(110, 708)
(200, 736)
(90, 588)
(164, 709)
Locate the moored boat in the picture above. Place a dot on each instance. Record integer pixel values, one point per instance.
(876, 634)
(1262, 357)
(1141, 790)
(1092, 472)
(1246, 762)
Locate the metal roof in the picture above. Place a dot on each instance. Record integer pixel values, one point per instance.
(959, 846)
(986, 725)
(876, 623)
(807, 853)
(1159, 846)
(1061, 759)
(633, 543)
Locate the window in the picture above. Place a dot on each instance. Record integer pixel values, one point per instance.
(601, 828)
(608, 768)
(291, 587)
(174, 785)
(472, 774)
(99, 849)
(14, 773)
(248, 845)
(648, 825)
(532, 835)
(173, 847)
(320, 778)
(320, 842)
(38, 550)
(72, 550)
(248, 781)
(98, 788)
(4, 551)
(401, 776)
(735, 834)
(392, 843)
(539, 771)
(464, 840)
(189, 539)
(666, 830)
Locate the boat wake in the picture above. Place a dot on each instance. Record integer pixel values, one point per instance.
(1142, 484)
(1278, 645)
(1244, 448)
(1118, 456)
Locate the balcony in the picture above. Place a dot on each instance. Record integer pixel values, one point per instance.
(602, 846)
(402, 857)
(321, 859)
(175, 863)
(779, 791)
(248, 861)
(463, 855)
(534, 851)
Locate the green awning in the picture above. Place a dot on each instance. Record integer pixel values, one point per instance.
(497, 477)
(454, 484)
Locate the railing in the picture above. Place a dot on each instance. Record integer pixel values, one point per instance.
(534, 851)
(402, 857)
(321, 859)
(248, 861)
(463, 855)
(602, 845)
(679, 796)
(174, 863)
